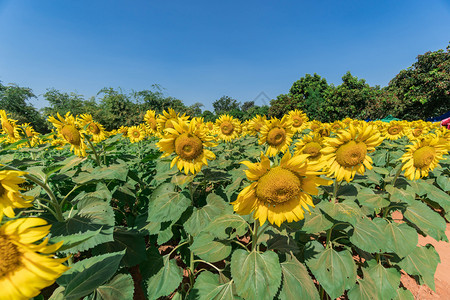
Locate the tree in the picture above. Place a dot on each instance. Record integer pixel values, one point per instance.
(61, 102)
(117, 109)
(15, 101)
(424, 88)
(194, 110)
(225, 104)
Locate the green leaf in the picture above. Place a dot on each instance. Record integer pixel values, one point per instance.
(201, 218)
(335, 271)
(166, 204)
(297, 284)
(208, 287)
(386, 281)
(368, 236)
(73, 240)
(403, 294)
(407, 195)
(427, 220)
(366, 197)
(256, 275)
(444, 182)
(166, 280)
(422, 261)
(119, 288)
(365, 289)
(92, 215)
(58, 294)
(436, 195)
(223, 225)
(345, 211)
(130, 241)
(208, 249)
(316, 221)
(118, 171)
(400, 238)
(85, 276)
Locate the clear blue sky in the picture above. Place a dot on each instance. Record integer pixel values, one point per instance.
(201, 50)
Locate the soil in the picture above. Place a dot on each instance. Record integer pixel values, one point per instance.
(442, 275)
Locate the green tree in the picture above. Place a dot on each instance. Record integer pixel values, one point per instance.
(424, 88)
(15, 101)
(117, 109)
(225, 104)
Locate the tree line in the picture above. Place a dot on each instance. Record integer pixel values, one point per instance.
(418, 92)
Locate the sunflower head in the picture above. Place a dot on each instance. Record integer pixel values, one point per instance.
(298, 120)
(228, 128)
(310, 144)
(277, 135)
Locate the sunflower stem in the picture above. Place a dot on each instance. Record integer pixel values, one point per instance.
(97, 159)
(336, 189)
(255, 235)
(399, 171)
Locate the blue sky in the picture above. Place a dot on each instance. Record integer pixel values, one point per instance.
(199, 51)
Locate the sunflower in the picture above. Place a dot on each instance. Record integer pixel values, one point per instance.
(423, 156)
(188, 141)
(310, 144)
(279, 193)
(346, 154)
(165, 120)
(299, 120)
(314, 125)
(228, 128)
(394, 130)
(136, 133)
(324, 130)
(123, 130)
(26, 267)
(68, 130)
(9, 127)
(93, 128)
(277, 134)
(256, 123)
(10, 197)
(150, 121)
(26, 131)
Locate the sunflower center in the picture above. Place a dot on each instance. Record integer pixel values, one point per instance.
(351, 154)
(8, 127)
(136, 133)
(71, 134)
(423, 157)
(9, 256)
(394, 130)
(417, 131)
(188, 146)
(94, 128)
(297, 121)
(276, 136)
(277, 186)
(324, 132)
(312, 148)
(152, 123)
(227, 128)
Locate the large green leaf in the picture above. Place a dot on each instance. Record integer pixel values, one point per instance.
(208, 249)
(407, 195)
(93, 216)
(297, 284)
(316, 222)
(444, 182)
(400, 238)
(86, 275)
(166, 280)
(426, 219)
(366, 197)
(118, 171)
(224, 225)
(368, 236)
(208, 287)
(386, 280)
(125, 239)
(402, 294)
(166, 204)
(437, 195)
(201, 218)
(256, 275)
(335, 271)
(422, 261)
(365, 289)
(121, 287)
(345, 211)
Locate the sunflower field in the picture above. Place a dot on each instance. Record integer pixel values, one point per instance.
(179, 208)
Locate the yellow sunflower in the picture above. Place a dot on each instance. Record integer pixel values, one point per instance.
(165, 120)
(10, 197)
(394, 130)
(298, 119)
(310, 144)
(136, 133)
(346, 154)
(188, 141)
(256, 123)
(228, 128)
(423, 156)
(314, 125)
(93, 128)
(26, 267)
(150, 122)
(68, 130)
(9, 127)
(26, 131)
(277, 134)
(123, 130)
(279, 193)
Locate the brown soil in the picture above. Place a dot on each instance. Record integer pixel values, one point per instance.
(442, 275)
